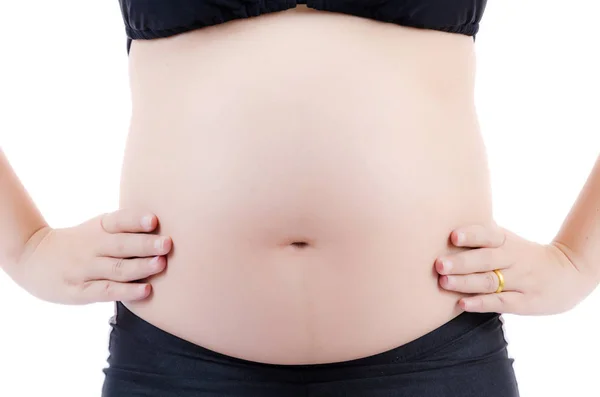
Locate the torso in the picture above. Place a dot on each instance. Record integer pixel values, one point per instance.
(358, 138)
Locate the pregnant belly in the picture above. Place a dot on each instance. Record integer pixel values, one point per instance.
(306, 208)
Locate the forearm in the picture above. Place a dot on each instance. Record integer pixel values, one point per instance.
(580, 232)
(19, 217)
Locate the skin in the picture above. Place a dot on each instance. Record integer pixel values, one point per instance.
(289, 157)
(539, 278)
(290, 199)
(91, 262)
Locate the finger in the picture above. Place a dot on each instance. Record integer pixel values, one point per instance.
(478, 236)
(473, 261)
(110, 291)
(504, 302)
(479, 283)
(124, 270)
(125, 245)
(128, 221)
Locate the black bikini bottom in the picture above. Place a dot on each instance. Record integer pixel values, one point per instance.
(466, 357)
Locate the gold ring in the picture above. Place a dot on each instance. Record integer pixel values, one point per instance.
(500, 281)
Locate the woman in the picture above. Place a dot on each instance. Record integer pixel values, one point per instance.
(309, 167)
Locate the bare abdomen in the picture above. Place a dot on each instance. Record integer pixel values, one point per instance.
(307, 190)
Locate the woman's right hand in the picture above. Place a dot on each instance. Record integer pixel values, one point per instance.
(96, 261)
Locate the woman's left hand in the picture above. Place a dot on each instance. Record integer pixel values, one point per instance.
(538, 279)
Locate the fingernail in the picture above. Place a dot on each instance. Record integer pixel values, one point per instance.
(147, 222)
(447, 266)
(154, 261)
(449, 282)
(466, 305)
(160, 243)
(143, 288)
(460, 238)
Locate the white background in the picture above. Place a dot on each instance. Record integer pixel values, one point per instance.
(64, 112)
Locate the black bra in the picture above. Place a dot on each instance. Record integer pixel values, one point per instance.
(150, 19)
